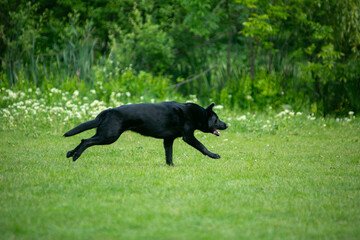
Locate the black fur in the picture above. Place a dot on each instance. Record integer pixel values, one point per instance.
(167, 120)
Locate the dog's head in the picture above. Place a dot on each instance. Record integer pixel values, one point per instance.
(214, 123)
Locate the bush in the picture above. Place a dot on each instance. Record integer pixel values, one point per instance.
(147, 48)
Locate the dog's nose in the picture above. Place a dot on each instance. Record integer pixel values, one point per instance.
(226, 126)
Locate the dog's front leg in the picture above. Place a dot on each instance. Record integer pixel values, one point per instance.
(192, 141)
(168, 145)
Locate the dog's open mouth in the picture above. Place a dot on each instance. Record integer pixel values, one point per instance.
(216, 132)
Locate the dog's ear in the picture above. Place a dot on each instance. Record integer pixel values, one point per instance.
(210, 107)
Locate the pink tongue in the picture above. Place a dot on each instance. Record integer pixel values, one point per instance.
(216, 132)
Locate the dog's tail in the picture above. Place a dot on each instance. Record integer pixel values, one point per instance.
(85, 126)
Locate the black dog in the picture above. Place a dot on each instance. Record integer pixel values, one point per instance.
(167, 120)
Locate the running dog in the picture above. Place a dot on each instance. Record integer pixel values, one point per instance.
(167, 121)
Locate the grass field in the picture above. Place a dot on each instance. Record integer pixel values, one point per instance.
(301, 183)
(282, 175)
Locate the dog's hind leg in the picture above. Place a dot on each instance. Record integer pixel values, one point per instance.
(98, 139)
(86, 143)
(104, 135)
(71, 153)
(168, 145)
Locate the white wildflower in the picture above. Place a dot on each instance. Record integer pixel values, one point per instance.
(6, 112)
(243, 117)
(248, 97)
(55, 90)
(11, 94)
(311, 118)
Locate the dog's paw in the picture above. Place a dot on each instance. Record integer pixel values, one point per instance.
(214, 155)
(69, 154)
(75, 157)
(170, 164)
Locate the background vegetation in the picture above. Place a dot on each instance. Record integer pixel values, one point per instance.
(249, 54)
(274, 68)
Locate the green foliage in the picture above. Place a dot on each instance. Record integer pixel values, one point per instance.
(257, 26)
(75, 56)
(23, 61)
(201, 20)
(141, 84)
(20, 40)
(146, 48)
(261, 53)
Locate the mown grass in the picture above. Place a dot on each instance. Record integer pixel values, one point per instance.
(299, 183)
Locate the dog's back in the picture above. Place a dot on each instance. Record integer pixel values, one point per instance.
(160, 120)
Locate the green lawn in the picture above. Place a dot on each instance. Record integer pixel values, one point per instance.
(303, 185)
